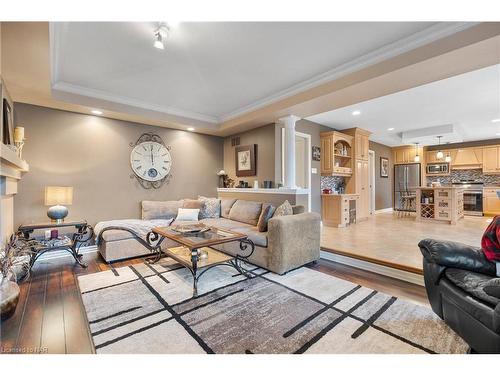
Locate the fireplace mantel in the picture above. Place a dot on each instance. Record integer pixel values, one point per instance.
(12, 169)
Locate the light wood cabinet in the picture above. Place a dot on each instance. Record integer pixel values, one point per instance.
(362, 188)
(406, 154)
(491, 202)
(339, 210)
(336, 154)
(362, 146)
(440, 203)
(491, 159)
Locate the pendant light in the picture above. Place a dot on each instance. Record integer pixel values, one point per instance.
(439, 154)
(417, 156)
(447, 158)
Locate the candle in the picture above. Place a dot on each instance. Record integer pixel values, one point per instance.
(19, 134)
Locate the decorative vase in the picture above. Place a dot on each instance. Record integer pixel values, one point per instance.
(9, 297)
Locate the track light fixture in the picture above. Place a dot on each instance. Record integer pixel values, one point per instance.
(161, 35)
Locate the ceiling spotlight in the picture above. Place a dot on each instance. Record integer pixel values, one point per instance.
(496, 120)
(96, 112)
(390, 129)
(158, 43)
(190, 129)
(497, 134)
(356, 113)
(160, 35)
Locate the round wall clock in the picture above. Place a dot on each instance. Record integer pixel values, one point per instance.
(151, 161)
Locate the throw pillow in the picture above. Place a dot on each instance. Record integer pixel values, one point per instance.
(490, 243)
(284, 209)
(160, 210)
(210, 209)
(192, 203)
(225, 206)
(188, 214)
(265, 215)
(492, 288)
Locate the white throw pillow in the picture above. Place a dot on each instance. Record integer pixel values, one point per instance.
(188, 214)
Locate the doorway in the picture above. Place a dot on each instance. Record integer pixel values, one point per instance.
(371, 180)
(302, 161)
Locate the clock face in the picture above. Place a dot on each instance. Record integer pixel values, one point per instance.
(151, 161)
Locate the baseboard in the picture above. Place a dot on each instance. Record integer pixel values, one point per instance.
(389, 209)
(410, 277)
(63, 253)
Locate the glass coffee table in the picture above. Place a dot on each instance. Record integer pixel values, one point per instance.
(196, 252)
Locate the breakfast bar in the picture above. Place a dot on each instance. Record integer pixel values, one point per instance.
(441, 203)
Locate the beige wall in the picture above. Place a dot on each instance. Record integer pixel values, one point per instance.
(383, 186)
(263, 137)
(92, 154)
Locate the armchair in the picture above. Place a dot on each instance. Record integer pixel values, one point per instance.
(454, 275)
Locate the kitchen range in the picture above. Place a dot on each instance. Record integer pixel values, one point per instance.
(473, 196)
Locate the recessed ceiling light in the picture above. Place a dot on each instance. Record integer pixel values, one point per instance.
(96, 112)
(356, 113)
(496, 120)
(190, 129)
(497, 134)
(390, 129)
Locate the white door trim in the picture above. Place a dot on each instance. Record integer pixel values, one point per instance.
(308, 163)
(371, 180)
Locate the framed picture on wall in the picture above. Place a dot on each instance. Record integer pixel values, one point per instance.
(246, 160)
(384, 167)
(316, 153)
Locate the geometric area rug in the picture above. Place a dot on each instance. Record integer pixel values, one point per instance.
(147, 308)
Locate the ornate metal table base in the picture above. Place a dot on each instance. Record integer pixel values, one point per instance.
(83, 234)
(235, 263)
(154, 241)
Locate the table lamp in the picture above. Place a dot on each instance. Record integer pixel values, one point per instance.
(57, 197)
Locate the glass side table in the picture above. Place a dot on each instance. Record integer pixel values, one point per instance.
(82, 233)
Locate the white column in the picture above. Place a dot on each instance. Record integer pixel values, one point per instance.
(289, 162)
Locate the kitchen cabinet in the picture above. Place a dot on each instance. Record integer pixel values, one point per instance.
(491, 159)
(361, 142)
(491, 202)
(362, 188)
(339, 210)
(406, 154)
(336, 154)
(440, 203)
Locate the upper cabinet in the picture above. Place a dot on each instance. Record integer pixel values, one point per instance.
(491, 159)
(361, 142)
(336, 154)
(406, 154)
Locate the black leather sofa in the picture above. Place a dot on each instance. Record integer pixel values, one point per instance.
(454, 276)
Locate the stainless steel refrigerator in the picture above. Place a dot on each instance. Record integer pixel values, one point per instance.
(406, 179)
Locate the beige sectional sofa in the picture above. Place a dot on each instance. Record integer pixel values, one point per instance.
(289, 242)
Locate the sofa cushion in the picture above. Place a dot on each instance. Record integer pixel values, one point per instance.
(223, 223)
(267, 213)
(258, 238)
(284, 209)
(246, 211)
(225, 206)
(152, 210)
(492, 287)
(140, 227)
(210, 208)
(472, 283)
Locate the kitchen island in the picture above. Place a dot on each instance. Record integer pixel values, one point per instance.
(338, 210)
(441, 203)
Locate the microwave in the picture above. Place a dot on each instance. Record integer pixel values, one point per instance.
(438, 168)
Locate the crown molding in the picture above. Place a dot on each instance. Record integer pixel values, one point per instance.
(429, 35)
(103, 95)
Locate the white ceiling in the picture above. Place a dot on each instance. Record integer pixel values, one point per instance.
(469, 102)
(214, 71)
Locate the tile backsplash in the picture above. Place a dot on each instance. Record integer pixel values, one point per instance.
(466, 174)
(332, 182)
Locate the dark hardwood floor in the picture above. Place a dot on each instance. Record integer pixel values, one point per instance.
(50, 317)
